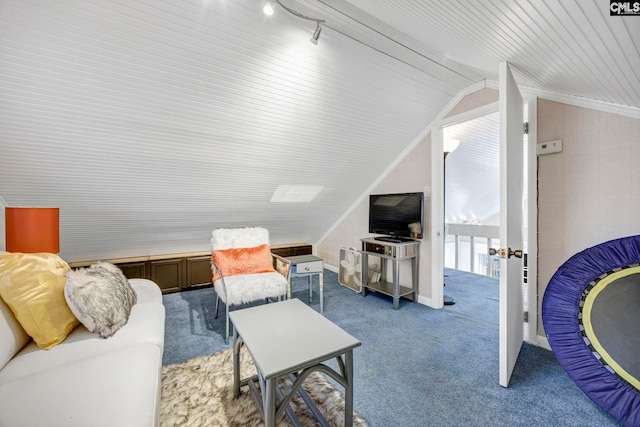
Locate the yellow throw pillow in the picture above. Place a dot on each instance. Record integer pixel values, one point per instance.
(32, 285)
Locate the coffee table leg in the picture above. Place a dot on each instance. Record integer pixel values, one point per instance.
(237, 343)
(348, 392)
(269, 403)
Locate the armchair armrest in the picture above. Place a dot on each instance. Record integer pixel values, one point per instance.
(217, 273)
(281, 264)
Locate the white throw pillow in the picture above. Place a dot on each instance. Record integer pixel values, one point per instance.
(100, 297)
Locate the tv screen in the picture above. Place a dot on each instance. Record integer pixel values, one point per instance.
(397, 215)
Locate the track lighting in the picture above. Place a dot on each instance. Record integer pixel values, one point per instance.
(268, 10)
(316, 34)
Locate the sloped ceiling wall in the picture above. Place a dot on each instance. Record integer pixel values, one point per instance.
(150, 123)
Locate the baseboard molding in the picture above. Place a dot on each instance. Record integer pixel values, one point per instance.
(421, 299)
(425, 301)
(331, 268)
(543, 342)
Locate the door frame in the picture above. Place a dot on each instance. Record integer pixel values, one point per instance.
(437, 212)
(531, 297)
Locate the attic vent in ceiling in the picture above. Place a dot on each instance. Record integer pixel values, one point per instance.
(296, 193)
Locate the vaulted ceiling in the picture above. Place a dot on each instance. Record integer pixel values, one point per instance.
(565, 46)
(151, 122)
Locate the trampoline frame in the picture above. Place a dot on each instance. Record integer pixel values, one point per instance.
(562, 319)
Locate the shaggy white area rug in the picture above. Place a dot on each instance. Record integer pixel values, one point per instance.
(199, 392)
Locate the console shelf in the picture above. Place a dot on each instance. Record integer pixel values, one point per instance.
(387, 288)
(393, 252)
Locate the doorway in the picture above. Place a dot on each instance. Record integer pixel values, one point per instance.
(437, 234)
(472, 195)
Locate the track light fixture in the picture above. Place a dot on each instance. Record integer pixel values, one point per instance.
(316, 34)
(268, 10)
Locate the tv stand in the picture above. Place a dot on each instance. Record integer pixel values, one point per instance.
(392, 239)
(395, 252)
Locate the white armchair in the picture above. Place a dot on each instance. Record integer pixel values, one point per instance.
(244, 269)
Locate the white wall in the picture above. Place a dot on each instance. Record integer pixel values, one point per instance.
(589, 193)
(413, 173)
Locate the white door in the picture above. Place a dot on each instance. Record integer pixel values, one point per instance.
(511, 267)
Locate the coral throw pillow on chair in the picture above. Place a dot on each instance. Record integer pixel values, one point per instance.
(235, 261)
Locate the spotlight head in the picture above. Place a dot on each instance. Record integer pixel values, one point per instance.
(316, 34)
(268, 8)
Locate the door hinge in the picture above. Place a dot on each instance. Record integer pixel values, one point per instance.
(525, 128)
(526, 317)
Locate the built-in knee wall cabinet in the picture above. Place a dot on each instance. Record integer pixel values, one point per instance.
(178, 272)
(172, 273)
(292, 249)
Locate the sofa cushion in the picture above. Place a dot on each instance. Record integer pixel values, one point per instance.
(100, 297)
(32, 285)
(146, 291)
(145, 325)
(251, 287)
(116, 388)
(13, 336)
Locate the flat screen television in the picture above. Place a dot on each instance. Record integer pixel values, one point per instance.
(397, 215)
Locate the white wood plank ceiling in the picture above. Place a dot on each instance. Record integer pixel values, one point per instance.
(151, 122)
(566, 46)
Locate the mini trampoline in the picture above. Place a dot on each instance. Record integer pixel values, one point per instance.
(591, 315)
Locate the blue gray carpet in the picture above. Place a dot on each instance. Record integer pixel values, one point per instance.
(417, 366)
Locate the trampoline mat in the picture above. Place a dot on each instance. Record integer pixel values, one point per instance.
(611, 319)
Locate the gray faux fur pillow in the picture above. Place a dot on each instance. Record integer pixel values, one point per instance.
(100, 297)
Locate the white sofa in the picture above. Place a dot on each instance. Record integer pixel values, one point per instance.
(85, 380)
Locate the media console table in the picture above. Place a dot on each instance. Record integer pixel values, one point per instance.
(394, 252)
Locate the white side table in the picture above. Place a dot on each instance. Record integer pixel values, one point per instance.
(307, 266)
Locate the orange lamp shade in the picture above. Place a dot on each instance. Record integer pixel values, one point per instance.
(32, 230)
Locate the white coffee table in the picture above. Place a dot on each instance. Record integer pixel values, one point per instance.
(289, 338)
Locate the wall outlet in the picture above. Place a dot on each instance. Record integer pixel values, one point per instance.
(549, 147)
